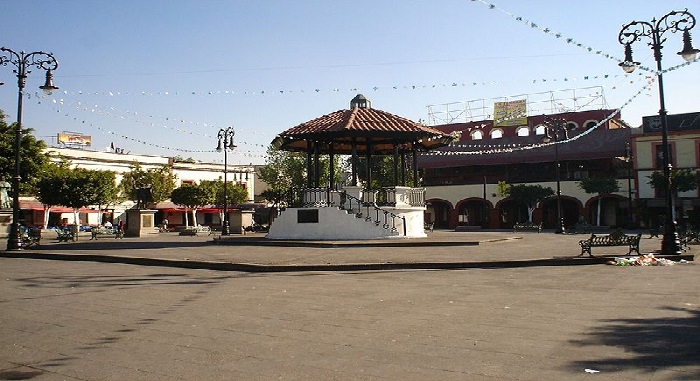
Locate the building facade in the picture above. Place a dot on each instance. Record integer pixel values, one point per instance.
(462, 181)
(120, 163)
(684, 144)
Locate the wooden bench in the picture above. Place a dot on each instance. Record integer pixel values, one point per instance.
(65, 235)
(617, 238)
(105, 231)
(527, 226)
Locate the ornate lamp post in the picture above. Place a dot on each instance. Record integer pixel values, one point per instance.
(553, 129)
(675, 21)
(23, 62)
(225, 137)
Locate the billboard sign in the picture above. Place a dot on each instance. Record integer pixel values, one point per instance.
(513, 113)
(74, 139)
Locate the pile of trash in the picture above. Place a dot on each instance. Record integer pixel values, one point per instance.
(644, 260)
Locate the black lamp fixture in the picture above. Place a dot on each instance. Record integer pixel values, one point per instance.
(23, 62)
(225, 144)
(675, 21)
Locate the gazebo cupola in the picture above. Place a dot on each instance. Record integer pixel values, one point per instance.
(360, 102)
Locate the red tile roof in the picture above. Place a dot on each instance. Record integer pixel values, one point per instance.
(367, 126)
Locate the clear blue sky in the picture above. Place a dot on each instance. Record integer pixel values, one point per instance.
(161, 73)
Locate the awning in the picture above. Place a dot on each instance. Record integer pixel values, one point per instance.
(36, 205)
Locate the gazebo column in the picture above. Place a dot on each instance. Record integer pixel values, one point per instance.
(309, 165)
(331, 166)
(353, 161)
(396, 164)
(369, 163)
(317, 164)
(415, 165)
(403, 167)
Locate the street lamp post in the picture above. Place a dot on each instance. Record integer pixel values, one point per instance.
(675, 21)
(225, 137)
(553, 128)
(628, 156)
(23, 62)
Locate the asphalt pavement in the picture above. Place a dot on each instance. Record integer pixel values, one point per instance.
(494, 306)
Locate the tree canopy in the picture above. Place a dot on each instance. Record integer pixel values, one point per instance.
(682, 180)
(32, 158)
(236, 193)
(599, 185)
(160, 179)
(529, 195)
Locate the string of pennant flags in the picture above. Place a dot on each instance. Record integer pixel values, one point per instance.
(560, 36)
(135, 116)
(506, 148)
(269, 92)
(491, 149)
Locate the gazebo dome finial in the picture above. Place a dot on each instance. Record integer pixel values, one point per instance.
(360, 102)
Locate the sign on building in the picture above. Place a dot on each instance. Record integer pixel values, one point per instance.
(74, 139)
(513, 113)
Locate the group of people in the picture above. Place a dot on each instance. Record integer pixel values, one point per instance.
(120, 225)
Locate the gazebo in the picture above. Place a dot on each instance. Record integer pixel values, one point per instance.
(321, 212)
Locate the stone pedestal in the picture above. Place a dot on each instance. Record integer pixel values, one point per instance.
(238, 220)
(5, 223)
(140, 222)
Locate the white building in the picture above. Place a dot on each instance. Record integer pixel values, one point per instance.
(184, 173)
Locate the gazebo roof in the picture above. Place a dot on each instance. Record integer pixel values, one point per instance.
(366, 126)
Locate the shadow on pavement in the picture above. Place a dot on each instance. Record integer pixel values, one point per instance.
(657, 343)
(118, 244)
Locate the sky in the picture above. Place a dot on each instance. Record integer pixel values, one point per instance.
(162, 77)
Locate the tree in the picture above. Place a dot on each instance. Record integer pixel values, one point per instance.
(32, 158)
(601, 186)
(235, 193)
(161, 180)
(530, 195)
(192, 197)
(682, 180)
(283, 170)
(74, 188)
(382, 171)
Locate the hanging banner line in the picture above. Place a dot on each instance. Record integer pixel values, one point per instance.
(131, 115)
(571, 41)
(173, 123)
(479, 152)
(270, 92)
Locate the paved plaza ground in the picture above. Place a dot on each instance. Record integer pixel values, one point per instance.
(456, 306)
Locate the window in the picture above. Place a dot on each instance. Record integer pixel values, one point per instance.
(186, 182)
(477, 135)
(540, 130)
(590, 124)
(496, 133)
(659, 155)
(522, 131)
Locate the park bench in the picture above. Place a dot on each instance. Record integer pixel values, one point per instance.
(65, 235)
(105, 231)
(527, 226)
(31, 237)
(429, 226)
(617, 238)
(196, 230)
